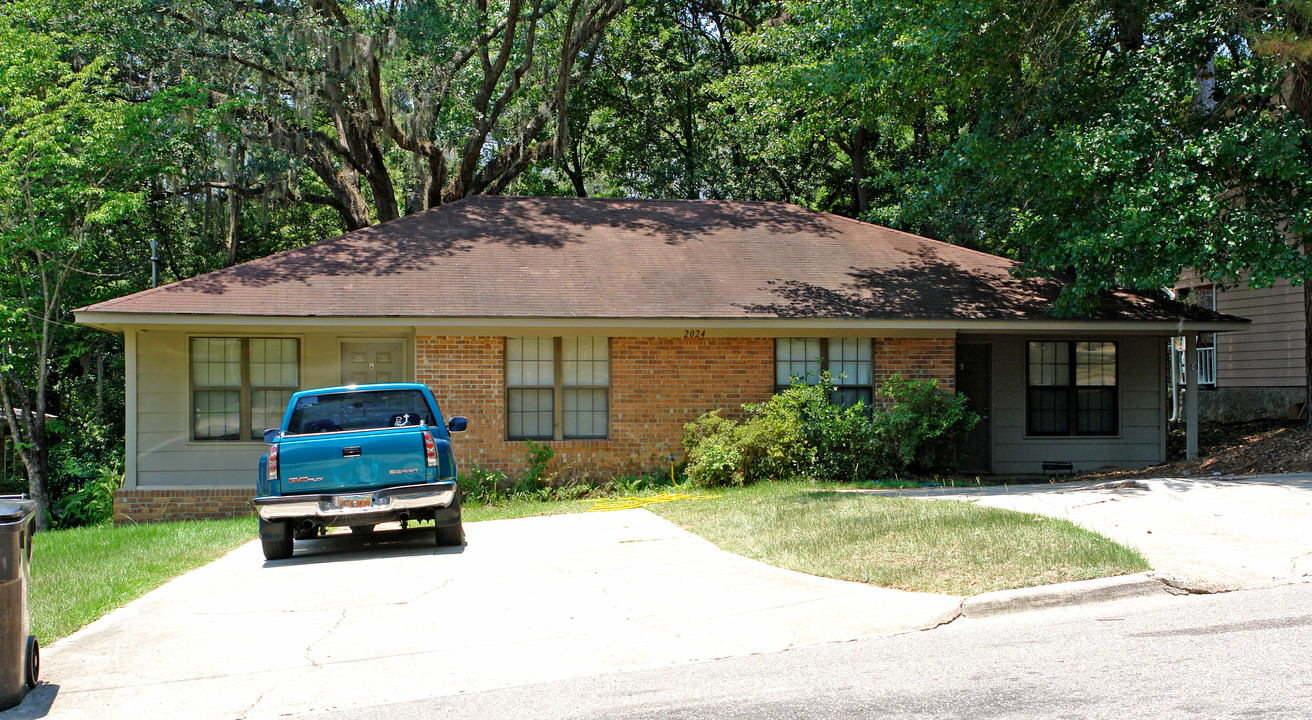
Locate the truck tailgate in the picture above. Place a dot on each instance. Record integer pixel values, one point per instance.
(344, 461)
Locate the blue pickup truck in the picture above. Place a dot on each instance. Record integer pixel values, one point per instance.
(357, 456)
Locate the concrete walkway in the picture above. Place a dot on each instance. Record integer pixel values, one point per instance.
(1201, 534)
(344, 623)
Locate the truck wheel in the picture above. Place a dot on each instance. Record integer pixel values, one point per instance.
(451, 535)
(280, 548)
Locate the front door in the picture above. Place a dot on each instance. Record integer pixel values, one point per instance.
(973, 380)
(375, 361)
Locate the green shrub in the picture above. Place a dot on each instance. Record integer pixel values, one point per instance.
(483, 487)
(800, 433)
(91, 503)
(923, 426)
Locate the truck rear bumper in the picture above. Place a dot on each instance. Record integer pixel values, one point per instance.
(425, 500)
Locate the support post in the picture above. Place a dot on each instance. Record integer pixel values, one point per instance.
(1191, 396)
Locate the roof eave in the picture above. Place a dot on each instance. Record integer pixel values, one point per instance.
(117, 322)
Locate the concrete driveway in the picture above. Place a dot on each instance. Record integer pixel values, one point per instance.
(1205, 534)
(347, 622)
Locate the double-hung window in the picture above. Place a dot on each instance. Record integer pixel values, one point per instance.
(240, 386)
(849, 362)
(1071, 388)
(557, 388)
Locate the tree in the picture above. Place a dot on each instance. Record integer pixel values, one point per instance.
(371, 109)
(63, 142)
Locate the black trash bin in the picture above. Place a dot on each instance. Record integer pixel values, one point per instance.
(19, 655)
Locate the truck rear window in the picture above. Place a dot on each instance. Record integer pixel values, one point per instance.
(336, 412)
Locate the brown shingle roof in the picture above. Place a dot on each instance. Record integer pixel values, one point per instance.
(521, 257)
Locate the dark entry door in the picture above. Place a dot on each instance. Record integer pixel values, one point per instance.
(974, 378)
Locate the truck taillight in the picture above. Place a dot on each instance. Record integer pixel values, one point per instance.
(273, 462)
(430, 449)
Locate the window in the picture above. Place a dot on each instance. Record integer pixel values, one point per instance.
(557, 388)
(240, 386)
(1071, 388)
(848, 360)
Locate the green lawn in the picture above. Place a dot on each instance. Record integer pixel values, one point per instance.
(80, 574)
(938, 546)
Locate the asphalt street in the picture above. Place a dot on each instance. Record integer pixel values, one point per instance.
(1235, 655)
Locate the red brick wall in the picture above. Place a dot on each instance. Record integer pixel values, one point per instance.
(657, 385)
(916, 359)
(166, 505)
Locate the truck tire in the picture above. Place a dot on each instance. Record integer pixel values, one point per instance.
(279, 548)
(362, 529)
(451, 535)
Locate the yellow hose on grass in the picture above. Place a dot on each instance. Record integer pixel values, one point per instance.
(632, 503)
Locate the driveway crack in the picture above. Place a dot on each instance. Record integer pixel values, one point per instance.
(341, 618)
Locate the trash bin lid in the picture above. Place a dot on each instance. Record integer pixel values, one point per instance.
(16, 510)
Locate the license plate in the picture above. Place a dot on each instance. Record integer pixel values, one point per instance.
(353, 501)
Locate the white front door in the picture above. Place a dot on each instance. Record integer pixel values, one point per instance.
(365, 362)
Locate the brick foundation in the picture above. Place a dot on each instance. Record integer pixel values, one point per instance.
(167, 505)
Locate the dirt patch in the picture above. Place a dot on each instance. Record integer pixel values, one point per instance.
(1269, 446)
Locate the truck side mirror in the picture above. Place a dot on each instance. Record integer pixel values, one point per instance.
(271, 436)
(457, 424)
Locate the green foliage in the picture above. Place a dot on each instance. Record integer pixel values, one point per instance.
(69, 179)
(484, 487)
(539, 457)
(93, 502)
(923, 425)
(800, 433)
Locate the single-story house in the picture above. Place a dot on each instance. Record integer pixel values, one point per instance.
(603, 326)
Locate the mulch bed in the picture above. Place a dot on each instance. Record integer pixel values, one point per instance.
(1268, 446)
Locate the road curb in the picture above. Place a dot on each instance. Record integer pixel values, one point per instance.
(1005, 602)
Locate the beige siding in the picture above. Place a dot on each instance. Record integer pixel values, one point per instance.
(165, 455)
(1142, 405)
(1269, 353)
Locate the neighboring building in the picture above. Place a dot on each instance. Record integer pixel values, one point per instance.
(603, 326)
(1257, 372)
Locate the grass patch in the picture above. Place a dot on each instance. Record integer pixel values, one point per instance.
(937, 546)
(519, 508)
(82, 573)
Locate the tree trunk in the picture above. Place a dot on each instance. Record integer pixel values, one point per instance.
(230, 230)
(858, 154)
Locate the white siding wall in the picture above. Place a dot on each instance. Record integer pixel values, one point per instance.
(165, 454)
(1142, 405)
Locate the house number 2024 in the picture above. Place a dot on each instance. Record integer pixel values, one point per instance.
(694, 333)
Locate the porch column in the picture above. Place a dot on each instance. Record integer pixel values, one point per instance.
(1191, 396)
(130, 408)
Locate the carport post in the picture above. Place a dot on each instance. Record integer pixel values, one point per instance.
(1191, 396)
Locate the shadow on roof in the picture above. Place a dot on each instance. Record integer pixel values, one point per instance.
(417, 241)
(928, 286)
